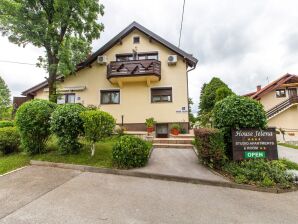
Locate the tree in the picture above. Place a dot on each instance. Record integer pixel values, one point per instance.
(192, 118)
(64, 28)
(212, 92)
(97, 126)
(4, 99)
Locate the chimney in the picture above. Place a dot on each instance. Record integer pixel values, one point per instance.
(259, 87)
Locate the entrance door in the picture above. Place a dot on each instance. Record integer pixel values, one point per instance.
(162, 130)
(292, 92)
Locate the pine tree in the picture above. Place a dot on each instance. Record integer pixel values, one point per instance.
(4, 98)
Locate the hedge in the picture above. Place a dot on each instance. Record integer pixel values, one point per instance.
(9, 140)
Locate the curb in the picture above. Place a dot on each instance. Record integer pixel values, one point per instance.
(130, 173)
(12, 171)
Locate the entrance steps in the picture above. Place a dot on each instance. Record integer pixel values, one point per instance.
(177, 142)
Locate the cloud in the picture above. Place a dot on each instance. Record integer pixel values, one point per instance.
(245, 43)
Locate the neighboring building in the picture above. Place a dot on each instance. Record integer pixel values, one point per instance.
(280, 101)
(136, 75)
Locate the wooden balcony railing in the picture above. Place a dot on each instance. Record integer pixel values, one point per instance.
(283, 105)
(133, 68)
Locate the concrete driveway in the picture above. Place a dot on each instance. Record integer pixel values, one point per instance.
(66, 196)
(288, 153)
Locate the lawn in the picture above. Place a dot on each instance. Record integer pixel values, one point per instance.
(12, 162)
(288, 145)
(102, 157)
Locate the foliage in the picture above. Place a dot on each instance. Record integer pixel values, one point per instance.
(175, 126)
(9, 140)
(4, 99)
(97, 126)
(289, 164)
(33, 122)
(119, 130)
(67, 124)
(4, 124)
(238, 112)
(64, 28)
(210, 145)
(192, 118)
(260, 172)
(210, 93)
(130, 151)
(150, 122)
(222, 93)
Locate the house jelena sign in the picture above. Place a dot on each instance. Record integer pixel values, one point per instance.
(254, 143)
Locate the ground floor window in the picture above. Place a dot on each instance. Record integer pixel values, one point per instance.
(109, 96)
(163, 94)
(66, 98)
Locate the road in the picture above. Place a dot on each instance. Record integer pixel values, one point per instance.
(53, 195)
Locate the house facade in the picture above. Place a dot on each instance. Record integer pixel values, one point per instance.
(280, 101)
(136, 75)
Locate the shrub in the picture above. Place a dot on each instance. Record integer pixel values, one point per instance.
(4, 124)
(33, 122)
(9, 140)
(238, 112)
(97, 126)
(210, 145)
(150, 122)
(67, 124)
(130, 152)
(260, 172)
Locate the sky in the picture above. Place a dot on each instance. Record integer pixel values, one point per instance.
(245, 43)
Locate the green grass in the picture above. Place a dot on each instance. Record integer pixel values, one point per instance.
(288, 145)
(289, 164)
(102, 157)
(13, 161)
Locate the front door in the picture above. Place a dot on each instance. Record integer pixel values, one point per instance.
(162, 130)
(292, 92)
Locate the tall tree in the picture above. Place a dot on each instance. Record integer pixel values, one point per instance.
(192, 118)
(4, 98)
(212, 92)
(64, 28)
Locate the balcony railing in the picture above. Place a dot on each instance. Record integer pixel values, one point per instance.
(133, 68)
(283, 105)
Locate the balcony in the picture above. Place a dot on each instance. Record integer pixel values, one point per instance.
(120, 72)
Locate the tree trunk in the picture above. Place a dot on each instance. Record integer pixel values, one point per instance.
(52, 69)
(93, 149)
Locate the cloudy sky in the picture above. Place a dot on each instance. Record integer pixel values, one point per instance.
(245, 43)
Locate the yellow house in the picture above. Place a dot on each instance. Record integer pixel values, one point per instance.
(280, 101)
(134, 76)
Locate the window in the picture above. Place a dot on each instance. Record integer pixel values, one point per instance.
(66, 98)
(110, 96)
(136, 40)
(161, 94)
(280, 93)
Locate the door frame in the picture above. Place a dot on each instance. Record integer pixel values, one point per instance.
(291, 94)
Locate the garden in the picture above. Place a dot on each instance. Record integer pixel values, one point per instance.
(221, 111)
(69, 133)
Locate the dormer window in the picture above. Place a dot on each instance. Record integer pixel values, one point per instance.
(136, 40)
(280, 93)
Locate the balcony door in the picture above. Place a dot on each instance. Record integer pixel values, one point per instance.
(162, 130)
(292, 92)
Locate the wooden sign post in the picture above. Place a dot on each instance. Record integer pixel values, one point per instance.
(254, 143)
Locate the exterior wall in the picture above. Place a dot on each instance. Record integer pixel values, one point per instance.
(135, 98)
(270, 100)
(286, 120)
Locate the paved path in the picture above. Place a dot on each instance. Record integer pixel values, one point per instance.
(178, 162)
(288, 153)
(103, 198)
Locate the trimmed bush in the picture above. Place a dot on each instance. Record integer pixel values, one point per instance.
(130, 151)
(238, 112)
(260, 172)
(4, 124)
(33, 122)
(9, 140)
(210, 145)
(67, 124)
(97, 126)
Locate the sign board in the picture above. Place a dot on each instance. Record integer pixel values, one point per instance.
(254, 143)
